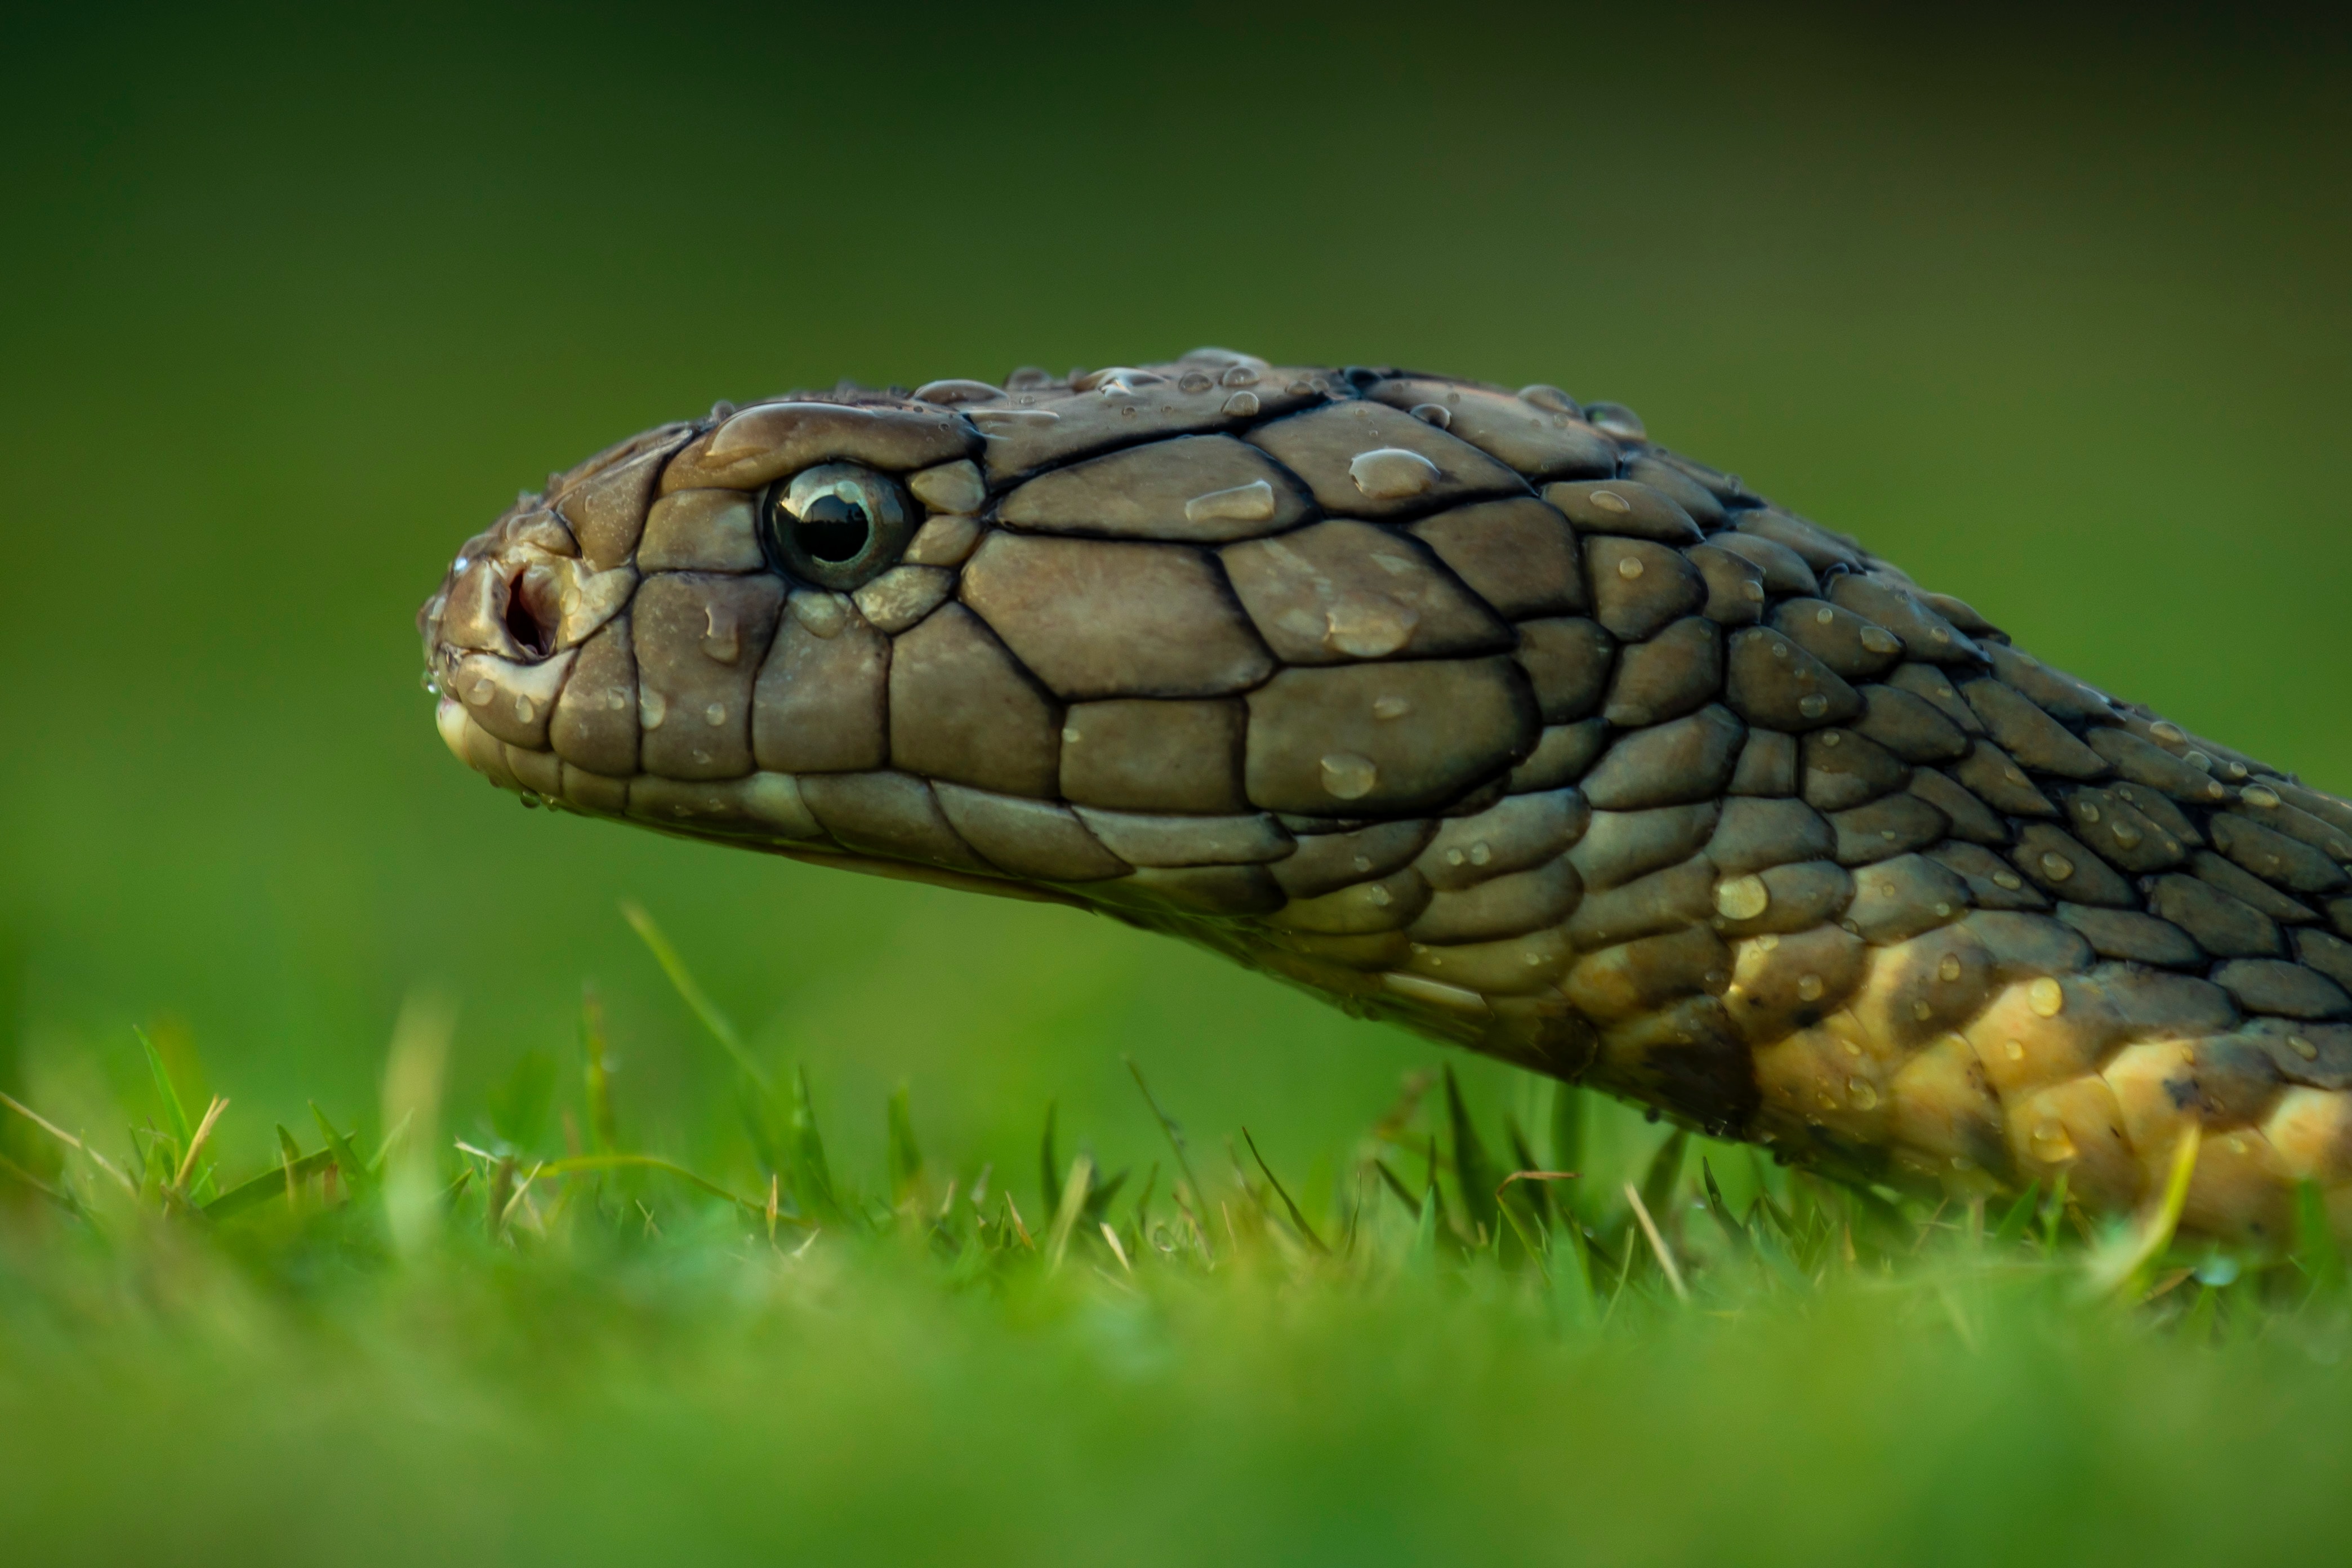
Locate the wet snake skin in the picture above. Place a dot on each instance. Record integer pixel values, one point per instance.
(1473, 711)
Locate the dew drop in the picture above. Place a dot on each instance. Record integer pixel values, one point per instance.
(2090, 813)
(2014, 1050)
(525, 710)
(1453, 856)
(1744, 898)
(1629, 568)
(2008, 880)
(1070, 737)
(1242, 404)
(715, 715)
(2046, 997)
(2165, 731)
(1435, 413)
(1808, 987)
(1391, 473)
(1878, 639)
(1863, 1093)
(481, 692)
(2256, 795)
(1922, 1011)
(1194, 381)
(2056, 867)
(1609, 501)
(1238, 375)
(1391, 707)
(1481, 854)
(1824, 615)
(1813, 706)
(2052, 1144)
(1950, 968)
(1252, 502)
(2302, 1047)
(1550, 399)
(1347, 776)
(1361, 862)
(1380, 897)
(652, 708)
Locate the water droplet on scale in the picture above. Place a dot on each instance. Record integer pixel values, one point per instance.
(1242, 404)
(2056, 867)
(1391, 473)
(715, 715)
(1744, 898)
(1862, 1092)
(1629, 567)
(1252, 502)
(1347, 776)
(2046, 997)
(1808, 987)
(1391, 707)
(1814, 706)
(2052, 1144)
(1950, 968)
(1609, 501)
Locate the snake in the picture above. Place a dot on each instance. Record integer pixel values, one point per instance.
(1471, 710)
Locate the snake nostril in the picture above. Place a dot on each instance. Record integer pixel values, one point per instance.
(529, 618)
(833, 528)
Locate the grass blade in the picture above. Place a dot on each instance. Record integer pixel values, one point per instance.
(1658, 1242)
(1283, 1193)
(1174, 1133)
(905, 1157)
(2011, 1229)
(1049, 1161)
(597, 1072)
(175, 1115)
(698, 1001)
(347, 1161)
(1473, 1172)
(279, 1182)
(2315, 1252)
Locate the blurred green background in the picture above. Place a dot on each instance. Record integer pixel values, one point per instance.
(296, 298)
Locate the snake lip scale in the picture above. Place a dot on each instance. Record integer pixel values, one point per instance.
(1469, 709)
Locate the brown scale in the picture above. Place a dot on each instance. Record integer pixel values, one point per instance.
(1470, 710)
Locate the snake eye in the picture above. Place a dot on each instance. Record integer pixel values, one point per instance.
(838, 525)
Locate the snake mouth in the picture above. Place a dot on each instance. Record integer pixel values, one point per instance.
(534, 613)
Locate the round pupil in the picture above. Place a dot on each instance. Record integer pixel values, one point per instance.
(833, 528)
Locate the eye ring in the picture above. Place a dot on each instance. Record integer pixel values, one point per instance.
(837, 525)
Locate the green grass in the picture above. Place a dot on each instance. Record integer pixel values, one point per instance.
(1536, 1332)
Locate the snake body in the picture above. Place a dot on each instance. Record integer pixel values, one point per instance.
(1472, 710)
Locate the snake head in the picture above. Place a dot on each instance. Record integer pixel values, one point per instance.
(598, 646)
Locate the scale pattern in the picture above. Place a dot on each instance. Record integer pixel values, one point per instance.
(1473, 711)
